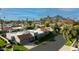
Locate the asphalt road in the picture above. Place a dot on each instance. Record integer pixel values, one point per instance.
(1, 49)
(51, 45)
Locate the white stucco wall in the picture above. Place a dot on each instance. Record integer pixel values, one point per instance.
(9, 35)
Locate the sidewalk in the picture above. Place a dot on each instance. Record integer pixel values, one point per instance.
(67, 48)
(30, 46)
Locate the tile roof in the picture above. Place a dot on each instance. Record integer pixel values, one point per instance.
(24, 36)
(69, 21)
(44, 29)
(7, 28)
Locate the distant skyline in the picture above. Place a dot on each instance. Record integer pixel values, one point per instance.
(37, 13)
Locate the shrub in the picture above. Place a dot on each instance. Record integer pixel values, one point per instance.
(2, 32)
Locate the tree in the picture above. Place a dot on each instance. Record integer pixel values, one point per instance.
(56, 28)
(46, 24)
(1, 21)
(69, 33)
(30, 25)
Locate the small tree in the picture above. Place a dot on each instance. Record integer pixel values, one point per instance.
(46, 24)
(69, 33)
(56, 28)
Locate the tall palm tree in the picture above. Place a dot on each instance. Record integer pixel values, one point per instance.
(1, 21)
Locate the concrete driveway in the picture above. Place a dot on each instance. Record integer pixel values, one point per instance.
(51, 45)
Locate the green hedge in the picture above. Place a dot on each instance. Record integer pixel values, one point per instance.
(2, 32)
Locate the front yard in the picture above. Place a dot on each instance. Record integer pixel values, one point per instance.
(9, 47)
(18, 47)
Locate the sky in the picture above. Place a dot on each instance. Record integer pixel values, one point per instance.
(37, 13)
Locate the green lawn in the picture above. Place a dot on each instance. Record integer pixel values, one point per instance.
(19, 48)
(2, 42)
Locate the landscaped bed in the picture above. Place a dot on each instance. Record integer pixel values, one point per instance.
(69, 43)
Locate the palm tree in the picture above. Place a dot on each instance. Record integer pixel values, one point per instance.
(66, 33)
(46, 23)
(70, 34)
(1, 21)
(56, 28)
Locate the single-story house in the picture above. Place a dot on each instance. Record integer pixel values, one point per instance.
(20, 37)
(26, 36)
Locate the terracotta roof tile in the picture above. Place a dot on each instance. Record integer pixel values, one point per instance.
(7, 28)
(24, 36)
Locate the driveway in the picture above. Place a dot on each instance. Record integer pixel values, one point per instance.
(51, 45)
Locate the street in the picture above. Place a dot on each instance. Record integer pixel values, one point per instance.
(51, 45)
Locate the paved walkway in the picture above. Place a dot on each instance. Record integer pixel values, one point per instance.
(67, 48)
(51, 45)
(30, 46)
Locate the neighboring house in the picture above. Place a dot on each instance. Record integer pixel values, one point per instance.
(7, 28)
(15, 28)
(69, 22)
(8, 25)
